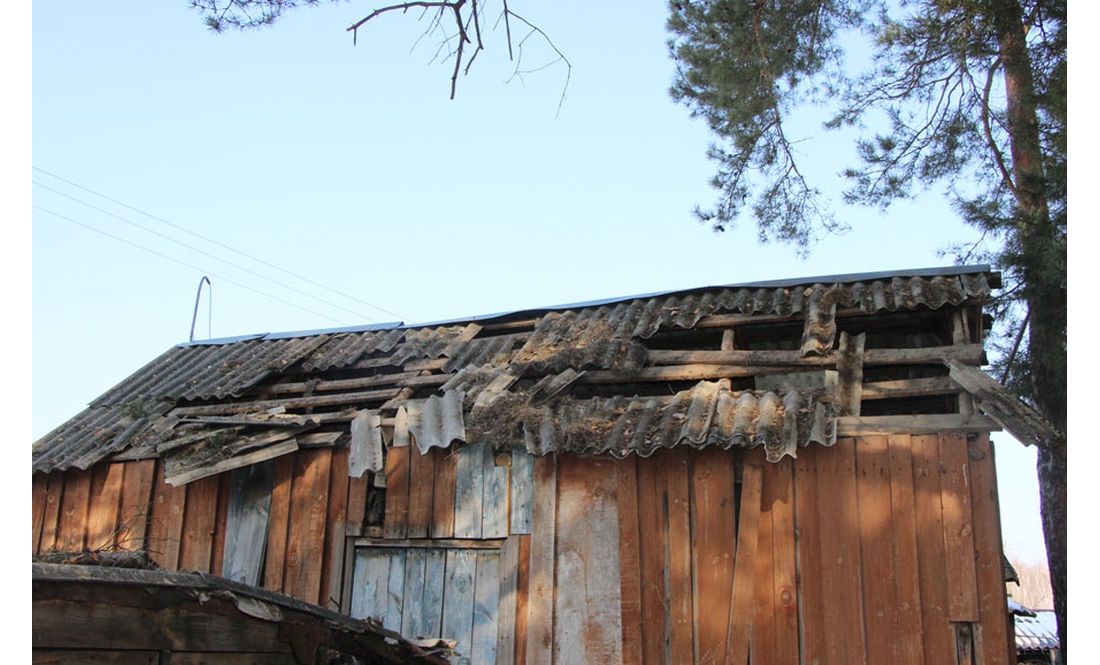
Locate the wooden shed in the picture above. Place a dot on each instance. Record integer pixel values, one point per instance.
(782, 472)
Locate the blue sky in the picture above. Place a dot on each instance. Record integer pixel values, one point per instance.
(349, 166)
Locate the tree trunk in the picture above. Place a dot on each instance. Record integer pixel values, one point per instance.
(1044, 287)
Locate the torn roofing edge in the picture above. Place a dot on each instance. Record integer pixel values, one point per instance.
(945, 271)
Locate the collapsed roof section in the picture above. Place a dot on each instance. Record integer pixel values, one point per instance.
(780, 365)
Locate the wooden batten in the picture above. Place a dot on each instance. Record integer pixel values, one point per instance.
(849, 367)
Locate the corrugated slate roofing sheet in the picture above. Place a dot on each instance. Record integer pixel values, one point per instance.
(561, 344)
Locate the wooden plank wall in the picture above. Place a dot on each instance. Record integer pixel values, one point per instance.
(128, 506)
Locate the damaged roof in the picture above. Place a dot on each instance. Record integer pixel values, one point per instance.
(744, 365)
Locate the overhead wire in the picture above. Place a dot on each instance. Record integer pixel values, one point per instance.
(213, 242)
(184, 263)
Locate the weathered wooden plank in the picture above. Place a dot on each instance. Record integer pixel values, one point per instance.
(199, 520)
(306, 530)
(877, 541)
(332, 570)
(39, 484)
(494, 501)
(714, 546)
(764, 646)
(397, 492)
(812, 603)
(914, 425)
(458, 601)
(443, 499)
(992, 635)
(357, 504)
(681, 617)
(165, 521)
(184, 476)
(523, 586)
(103, 507)
(137, 503)
(486, 607)
(74, 511)
(653, 560)
(69, 656)
(907, 566)
(630, 560)
(522, 494)
(431, 604)
(415, 580)
(744, 571)
(939, 638)
(509, 590)
(278, 523)
(940, 385)
(291, 403)
(849, 365)
(958, 529)
(220, 520)
(421, 488)
(785, 565)
(904, 356)
(469, 490)
(587, 625)
(842, 568)
(370, 585)
(395, 609)
(246, 522)
(540, 626)
(51, 516)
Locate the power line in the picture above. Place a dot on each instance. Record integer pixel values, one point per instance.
(215, 242)
(188, 265)
(204, 253)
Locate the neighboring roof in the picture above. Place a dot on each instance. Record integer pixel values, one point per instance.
(123, 609)
(588, 377)
(1036, 631)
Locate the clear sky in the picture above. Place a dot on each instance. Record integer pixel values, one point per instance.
(280, 160)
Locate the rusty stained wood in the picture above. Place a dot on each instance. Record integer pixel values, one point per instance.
(540, 625)
(958, 529)
(714, 545)
(841, 571)
(992, 636)
(630, 561)
(306, 529)
(278, 523)
(587, 619)
(906, 550)
(812, 603)
(939, 638)
(878, 541)
(744, 570)
(137, 504)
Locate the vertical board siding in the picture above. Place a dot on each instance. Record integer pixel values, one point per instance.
(522, 492)
(907, 566)
(39, 485)
(332, 559)
(939, 637)
(199, 520)
(993, 628)
(74, 511)
(458, 611)
(540, 626)
(958, 530)
(397, 492)
(278, 522)
(421, 486)
(306, 529)
(714, 545)
(744, 567)
(246, 522)
(494, 500)
(469, 490)
(104, 507)
(509, 592)
(785, 597)
(877, 542)
(841, 579)
(630, 556)
(137, 504)
(587, 610)
(812, 604)
(443, 498)
(166, 528)
(486, 608)
(764, 645)
(51, 517)
(681, 620)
